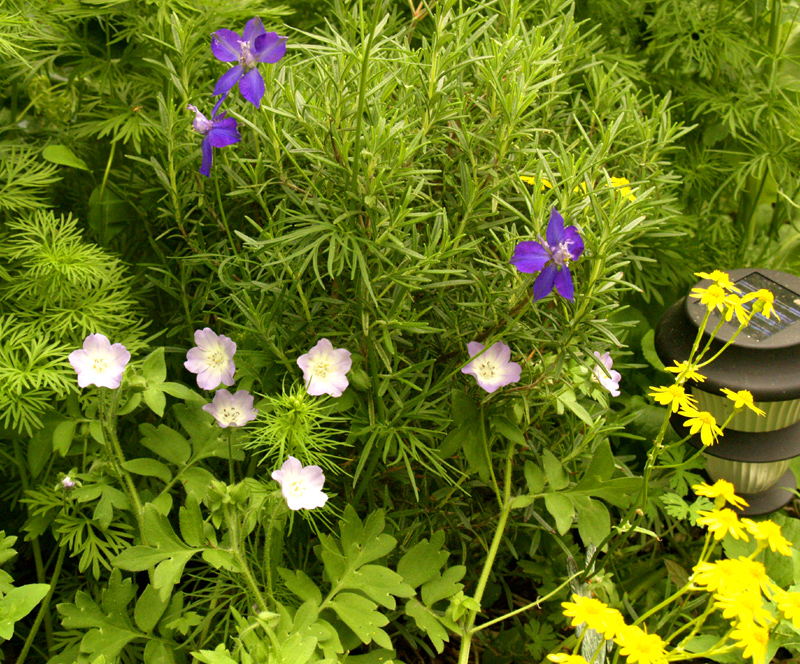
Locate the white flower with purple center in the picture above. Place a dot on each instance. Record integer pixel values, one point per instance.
(552, 256)
(609, 379)
(302, 487)
(232, 410)
(99, 362)
(217, 133)
(325, 368)
(211, 359)
(492, 369)
(254, 46)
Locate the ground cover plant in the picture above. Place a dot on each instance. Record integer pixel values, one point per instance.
(327, 330)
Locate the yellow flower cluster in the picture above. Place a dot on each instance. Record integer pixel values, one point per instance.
(723, 295)
(622, 184)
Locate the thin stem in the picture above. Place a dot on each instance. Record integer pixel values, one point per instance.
(230, 456)
(244, 566)
(224, 218)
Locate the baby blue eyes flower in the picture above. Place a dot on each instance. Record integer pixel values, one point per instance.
(211, 359)
(301, 486)
(492, 369)
(232, 410)
(217, 133)
(552, 257)
(325, 368)
(609, 380)
(99, 362)
(254, 46)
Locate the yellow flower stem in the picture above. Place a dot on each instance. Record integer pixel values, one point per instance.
(698, 622)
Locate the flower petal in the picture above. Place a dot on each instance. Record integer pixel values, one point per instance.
(563, 284)
(270, 47)
(555, 228)
(225, 45)
(208, 156)
(224, 132)
(530, 257)
(253, 29)
(575, 242)
(251, 85)
(544, 282)
(227, 81)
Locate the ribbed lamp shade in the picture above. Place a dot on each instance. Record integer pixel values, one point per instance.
(755, 452)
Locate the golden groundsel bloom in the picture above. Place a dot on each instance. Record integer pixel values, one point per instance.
(720, 489)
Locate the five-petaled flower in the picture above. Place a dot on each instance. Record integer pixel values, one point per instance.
(605, 375)
(217, 133)
(702, 421)
(722, 492)
(302, 487)
(254, 46)
(99, 362)
(552, 257)
(211, 359)
(325, 368)
(492, 368)
(232, 410)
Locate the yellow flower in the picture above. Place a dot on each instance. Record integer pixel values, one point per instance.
(720, 278)
(700, 420)
(597, 615)
(686, 372)
(720, 489)
(753, 639)
(736, 306)
(639, 646)
(789, 605)
(545, 184)
(764, 301)
(674, 396)
(721, 522)
(770, 532)
(731, 577)
(625, 190)
(563, 658)
(581, 187)
(741, 399)
(746, 607)
(714, 297)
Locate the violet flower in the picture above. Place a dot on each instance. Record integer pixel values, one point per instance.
(609, 380)
(99, 362)
(232, 410)
(217, 133)
(552, 257)
(254, 46)
(493, 368)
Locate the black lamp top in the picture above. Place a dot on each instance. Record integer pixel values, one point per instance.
(764, 358)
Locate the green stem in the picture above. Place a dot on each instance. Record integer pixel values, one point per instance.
(362, 93)
(44, 608)
(230, 456)
(224, 220)
(244, 566)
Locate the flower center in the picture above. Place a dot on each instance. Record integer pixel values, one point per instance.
(216, 359)
(561, 255)
(99, 365)
(486, 370)
(230, 414)
(247, 58)
(322, 369)
(297, 488)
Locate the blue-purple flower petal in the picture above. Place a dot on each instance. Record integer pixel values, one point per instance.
(563, 284)
(270, 47)
(575, 242)
(228, 80)
(251, 85)
(544, 282)
(253, 29)
(208, 156)
(530, 257)
(226, 45)
(224, 132)
(555, 228)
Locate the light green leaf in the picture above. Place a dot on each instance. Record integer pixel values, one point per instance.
(166, 442)
(301, 585)
(359, 614)
(562, 509)
(149, 609)
(63, 435)
(155, 400)
(421, 562)
(443, 586)
(567, 397)
(534, 477)
(154, 368)
(62, 155)
(17, 604)
(429, 623)
(554, 471)
(149, 468)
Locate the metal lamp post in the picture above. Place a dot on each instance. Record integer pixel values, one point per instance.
(755, 452)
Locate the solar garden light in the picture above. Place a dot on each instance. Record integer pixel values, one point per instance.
(755, 452)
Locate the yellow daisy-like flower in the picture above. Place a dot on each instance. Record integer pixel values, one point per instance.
(544, 184)
(736, 306)
(789, 605)
(686, 372)
(704, 422)
(720, 489)
(747, 607)
(597, 615)
(563, 658)
(741, 399)
(639, 646)
(753, 639)
(720, 278)
(769, 532)
(714, 297)
(673, 396)
(721, 575)
(764, 301)
(721, 522)
(624, 189)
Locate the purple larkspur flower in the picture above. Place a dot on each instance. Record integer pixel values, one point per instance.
(232, 410)
(217, 133)
(211, 359)
(493, 368)
(552, 257)
(254, 46)
(608, 378)
(99, 362)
